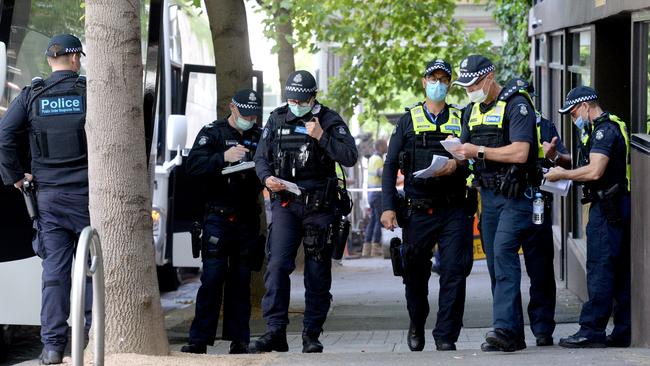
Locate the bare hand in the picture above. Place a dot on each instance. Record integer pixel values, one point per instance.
(19, 184)
(314, 129)
(550, 148)
(389, 220)
(554, 174)
(448, 169)
(274, 185)
(235, 153)
(466, 150)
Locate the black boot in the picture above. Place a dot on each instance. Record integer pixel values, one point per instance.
(194, 348)
(415, 338)
(271, 341)
(50, 357)
(502, 339)
(238, 348)
(310, 342)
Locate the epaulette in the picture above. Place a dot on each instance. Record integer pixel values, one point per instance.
(408, 109)
(37, 83)
(514, 87)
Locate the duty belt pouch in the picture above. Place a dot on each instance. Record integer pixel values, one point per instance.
(513, 183)
(611, 203)
(339, 237)
(256, 254)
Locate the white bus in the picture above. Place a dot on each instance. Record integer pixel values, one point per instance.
(179, 79)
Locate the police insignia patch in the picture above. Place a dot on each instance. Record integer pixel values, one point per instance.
(203, 140)
(341, 130)
(523, 110)
(297, 78)
(251, 97)
(464, 63)
(599, 135)
(265, 133)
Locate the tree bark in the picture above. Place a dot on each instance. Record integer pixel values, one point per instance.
(120, 197)
(232, 56)
(286, 61)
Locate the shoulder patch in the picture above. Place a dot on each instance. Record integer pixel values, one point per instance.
(599, 135)
(265, 132)
(203, 140)
(523, 110)
(341, 130)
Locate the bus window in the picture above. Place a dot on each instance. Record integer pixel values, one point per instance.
(201, 105)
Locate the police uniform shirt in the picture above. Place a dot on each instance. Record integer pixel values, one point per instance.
(548, 132)
(606, 139)
(14, 127)
(206, 160)
(401, 137)
(336, 141)
(519, 123)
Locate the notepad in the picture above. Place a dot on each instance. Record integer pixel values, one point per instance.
(451, 144)
(291, 186)
(437, 163)
(238, 167)
(560, 187)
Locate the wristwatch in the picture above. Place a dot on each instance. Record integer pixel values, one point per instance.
(481, 153)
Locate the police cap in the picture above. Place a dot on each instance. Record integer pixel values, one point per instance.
(472, 68)
(248, 102)
(300, 85)
(62, 44)
(576, 96)
(437, 65)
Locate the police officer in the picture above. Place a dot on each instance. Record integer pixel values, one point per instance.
(53, 113)
(230, 242)
(500, 135)
(301, 142)
(538, 245)
(605, 174)
(435, 210)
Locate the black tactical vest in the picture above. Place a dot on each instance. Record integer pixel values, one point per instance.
(57, 119)
(297, 155)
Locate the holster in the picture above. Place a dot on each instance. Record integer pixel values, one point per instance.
(196, 239)
(339, 237)
(317, 242)
(471, 201)
(397, 257)
(610, 201)
(29, 194)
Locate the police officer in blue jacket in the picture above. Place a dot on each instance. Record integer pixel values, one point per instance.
(301, 143)
(52, 112)
(230, 240)
(500, 135)
(605, 175)
(435, 210)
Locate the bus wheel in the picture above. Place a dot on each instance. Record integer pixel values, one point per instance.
(167, 278)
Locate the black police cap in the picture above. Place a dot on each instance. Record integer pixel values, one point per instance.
(67, 43)
(248, 102)
(472, 68)
(437, 65)
(576, 96)
(300, 85)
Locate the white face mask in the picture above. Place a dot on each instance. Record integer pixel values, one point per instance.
(477, 96)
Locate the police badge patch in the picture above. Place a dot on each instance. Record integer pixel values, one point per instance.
(203, 140)
(341, 130)
(265, 133)
(523, 110)
(599, 135)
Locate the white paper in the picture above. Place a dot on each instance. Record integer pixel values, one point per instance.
(450, 144)
(437, 163)
(239, 167)
(560, 187)
(291, 186)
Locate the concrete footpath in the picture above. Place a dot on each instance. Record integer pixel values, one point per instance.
(368, 322)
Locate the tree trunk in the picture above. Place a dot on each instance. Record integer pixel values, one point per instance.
(231, 50)
(286, 62)
(120, 197)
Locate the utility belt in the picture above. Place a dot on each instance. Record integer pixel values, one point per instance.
(609, 200)
(232, 214)
(329, 197)
(408, 205)
(510, 182)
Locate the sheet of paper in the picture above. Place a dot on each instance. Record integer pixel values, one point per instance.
(239, 167)
(291, 187)
(452, 143)
(560, 187)
(437, 163)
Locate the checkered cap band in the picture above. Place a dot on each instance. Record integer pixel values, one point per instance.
(477, 73)
(255, 107)
(584, 98)
(437, 67)
(297, 89)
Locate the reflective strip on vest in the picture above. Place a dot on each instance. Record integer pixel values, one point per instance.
(628, 166)
(493, 117)
(422, 124)
(540, 145)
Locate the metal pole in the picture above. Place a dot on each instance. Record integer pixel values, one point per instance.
(88, 243)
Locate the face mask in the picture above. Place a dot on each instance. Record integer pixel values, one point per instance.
(582, 122)
(477, 96)
(436, 91)
(243, 124)
(299, 110)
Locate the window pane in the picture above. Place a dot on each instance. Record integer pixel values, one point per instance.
(556, 52)
(201, 107)
(581, 49)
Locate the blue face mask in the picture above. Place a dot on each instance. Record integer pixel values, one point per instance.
(299, 110)
(580, 123)
(436, 91)
(243, 124)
